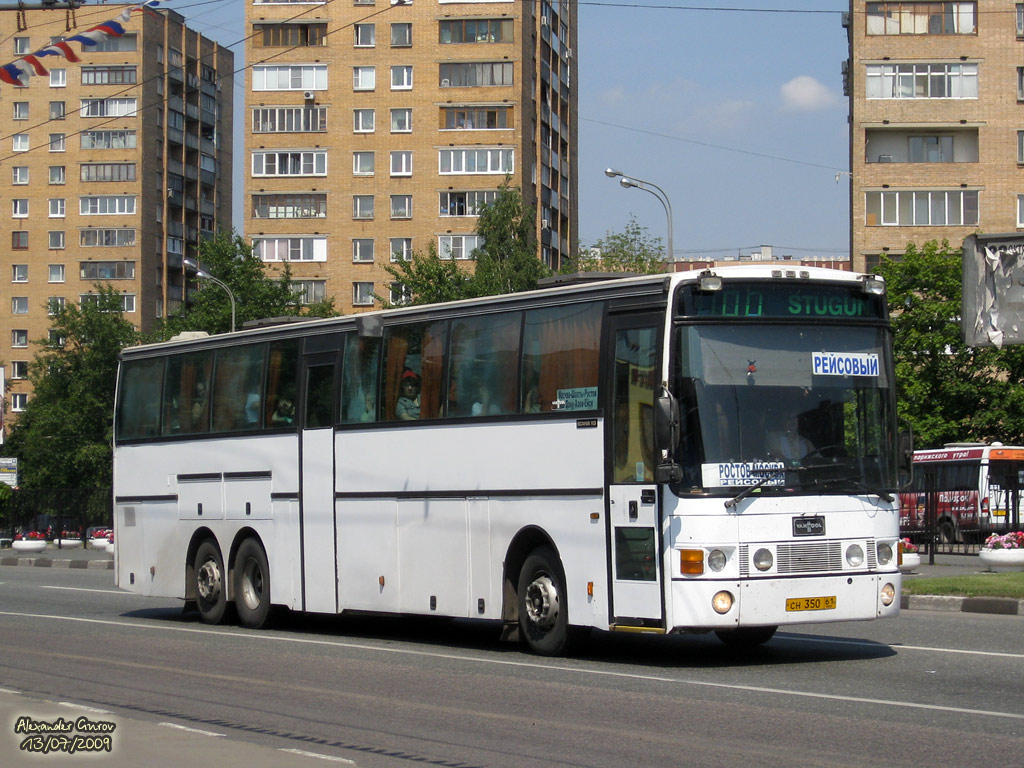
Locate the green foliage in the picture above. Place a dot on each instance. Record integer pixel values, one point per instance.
(633, 250)
(63, 437)
(429, 279)
(946, 390)
(257, 295)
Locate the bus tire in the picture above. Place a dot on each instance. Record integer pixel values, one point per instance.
(543, 617)
(211, 587)
(252, 584)
(947, 534)
(746, 637)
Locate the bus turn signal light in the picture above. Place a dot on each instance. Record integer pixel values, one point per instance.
(691, 561)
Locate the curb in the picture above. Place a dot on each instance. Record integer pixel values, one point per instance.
(46, 562)
(1006, 606)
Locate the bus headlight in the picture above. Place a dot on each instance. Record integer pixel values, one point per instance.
(855, 555)
(888, 594)
(884, 554)
(722, 602)
(763, 559)
(716, 560)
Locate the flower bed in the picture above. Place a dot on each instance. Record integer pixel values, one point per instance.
(1003, 552)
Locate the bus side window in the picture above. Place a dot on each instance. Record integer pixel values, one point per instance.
(186, 394)
(138, 413)
(359, 373)
(414, 354)
(483, 352)
(237, 388)
(561, 347)
(282, 369)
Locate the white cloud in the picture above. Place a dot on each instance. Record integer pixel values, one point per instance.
(806, 94)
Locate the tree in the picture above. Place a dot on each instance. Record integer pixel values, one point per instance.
(63, 437)
(257, 295)
(946, 390)
(632, 250)
(429, 279)
(507, 262)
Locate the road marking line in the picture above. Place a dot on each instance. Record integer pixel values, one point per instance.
(304, 753)
(190, 730)
(83, 589)
(260, 636)
(95, 711)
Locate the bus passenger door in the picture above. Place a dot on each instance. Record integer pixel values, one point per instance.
(634, 536)
(319, 579)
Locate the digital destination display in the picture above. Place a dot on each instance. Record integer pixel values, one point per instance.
(773, 300)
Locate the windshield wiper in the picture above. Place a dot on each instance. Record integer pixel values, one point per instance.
(769, 474)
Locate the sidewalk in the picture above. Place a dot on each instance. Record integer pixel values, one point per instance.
(54, 557)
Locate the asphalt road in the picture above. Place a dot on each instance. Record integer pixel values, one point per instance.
(928, 688)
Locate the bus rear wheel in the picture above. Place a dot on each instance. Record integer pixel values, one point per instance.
(543, 617)
(746, 637)
(252, 584)
(211, 597)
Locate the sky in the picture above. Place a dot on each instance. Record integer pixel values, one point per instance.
(735, 109)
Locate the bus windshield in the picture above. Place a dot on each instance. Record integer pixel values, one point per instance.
(787, 407)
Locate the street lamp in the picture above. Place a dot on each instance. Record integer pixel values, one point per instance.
(647, 186)
(202, 274)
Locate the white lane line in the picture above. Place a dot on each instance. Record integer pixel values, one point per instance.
(93, 710)
(190, 730)
(83, 589)
(331, 758)
(260, 636)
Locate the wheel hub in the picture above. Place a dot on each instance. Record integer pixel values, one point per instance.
(542, 602)
(208, 580)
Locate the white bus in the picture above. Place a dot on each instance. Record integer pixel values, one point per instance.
(615, 455)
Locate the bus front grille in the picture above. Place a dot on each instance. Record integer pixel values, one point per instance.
(807, 557)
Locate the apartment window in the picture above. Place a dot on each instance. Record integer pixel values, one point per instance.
(921, 81)
(364, 78)
(127, 300)
(310, 291)
(922, 208)
(401, 35)
(58, 174)
(55, 241)
(289, 120)
(475, 31)
(400, 294)
(19, 272)
(475, 118)
(363, 120)
(56, 142)
(96, 205)
(21, 110)
(313, 248)
(401, 78)
(19, 401)
(56, 271)
(19, 305)
(19, 369)
(401, 120)
(458, 246)
(401, 248)
(1020, 19)
(127, 42)
(57, 207)
(308, 163)
(1020, 210)
(1020, 146)
(930, 149)
(108, 140)
(289, 35)
(362, 206)
(283, 77)
(19, 338)
(112, 107)
(58, 78)
(54, 304)
(401, 163)
(468, 203)
(106, 238)
(466, 160)
(19, 208)
(362, 249)
(19, 174)
(20, 142)
(57, 110)
(366, 35)
(290, 206)
(22, 45)
(19, 242)
(108, 171)
(106, 270)
(401, 206)
(108, 75)
(921, 18)
(362, 163)
(362, 294)
(476, 74)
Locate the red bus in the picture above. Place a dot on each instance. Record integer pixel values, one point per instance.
(966, 490)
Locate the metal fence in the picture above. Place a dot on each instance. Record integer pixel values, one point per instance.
(56, 511)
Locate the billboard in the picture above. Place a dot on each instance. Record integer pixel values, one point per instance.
(992, 312)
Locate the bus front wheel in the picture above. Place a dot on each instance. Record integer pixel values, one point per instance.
(210, 585)
(252, 584)
(543, 617)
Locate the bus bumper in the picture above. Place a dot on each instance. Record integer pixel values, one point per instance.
(778, 602)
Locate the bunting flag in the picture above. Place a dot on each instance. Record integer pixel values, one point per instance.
(20, 70)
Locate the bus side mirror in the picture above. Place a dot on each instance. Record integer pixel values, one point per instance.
(905, 457)
(666, 422)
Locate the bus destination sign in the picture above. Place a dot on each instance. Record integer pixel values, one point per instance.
(773, 301)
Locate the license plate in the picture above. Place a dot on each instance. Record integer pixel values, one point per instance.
(810, 603)
(809, 526)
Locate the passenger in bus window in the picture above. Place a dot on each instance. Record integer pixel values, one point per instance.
(284, 414)
(787, 443)
(408, 406)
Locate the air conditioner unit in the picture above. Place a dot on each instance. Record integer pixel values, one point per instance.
(544, 223)
(544, 21)
(446, 83)
(568, 53)
(885, 158)
(309, 95)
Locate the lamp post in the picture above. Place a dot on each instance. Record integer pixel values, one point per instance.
(631, 182)
(202, 274)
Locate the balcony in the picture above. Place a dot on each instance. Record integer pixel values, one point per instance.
(918, 145)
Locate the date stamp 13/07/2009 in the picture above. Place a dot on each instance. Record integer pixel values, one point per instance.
(61, 735)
